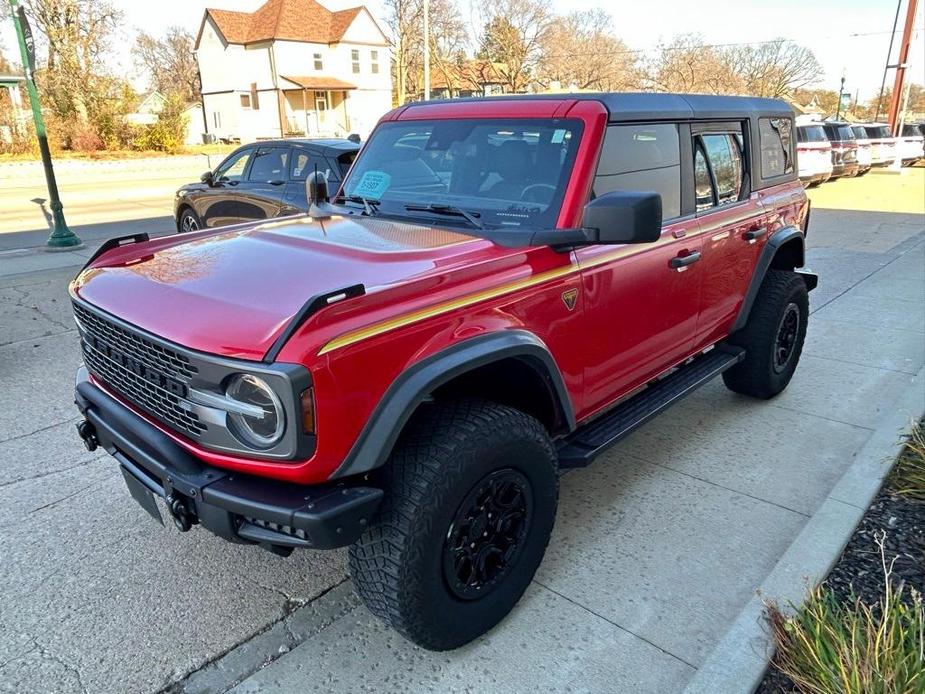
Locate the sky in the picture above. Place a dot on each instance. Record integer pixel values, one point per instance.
(849, 37)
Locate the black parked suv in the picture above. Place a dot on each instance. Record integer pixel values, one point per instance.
(261, 180)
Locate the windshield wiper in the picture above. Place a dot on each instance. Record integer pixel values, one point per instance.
(449, 210)
(370, 206)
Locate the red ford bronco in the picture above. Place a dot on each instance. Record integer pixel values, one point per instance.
(500, 289)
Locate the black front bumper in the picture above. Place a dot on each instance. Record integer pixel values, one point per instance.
(235, 506)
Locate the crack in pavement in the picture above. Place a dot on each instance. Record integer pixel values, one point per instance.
(46, 653)
(69, 420)
(72, 494)
(40, 475)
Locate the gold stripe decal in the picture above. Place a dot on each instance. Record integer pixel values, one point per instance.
(355, 336)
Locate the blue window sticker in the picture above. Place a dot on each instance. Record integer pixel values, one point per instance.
(558, 136)
(373, 184)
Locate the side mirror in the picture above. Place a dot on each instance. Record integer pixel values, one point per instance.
(207, 178)
(624, 217)
(316, 192)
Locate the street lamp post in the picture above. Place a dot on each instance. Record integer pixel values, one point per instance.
(61, 238)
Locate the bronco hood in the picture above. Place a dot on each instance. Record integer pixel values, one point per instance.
(233, 292)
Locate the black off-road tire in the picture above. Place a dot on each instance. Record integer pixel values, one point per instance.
(760, 375)
(188, 221)
(440, 464)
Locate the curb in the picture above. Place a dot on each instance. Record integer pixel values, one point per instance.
(739, 660)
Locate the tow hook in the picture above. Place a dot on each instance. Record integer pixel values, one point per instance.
(179, 511)
(87, 434)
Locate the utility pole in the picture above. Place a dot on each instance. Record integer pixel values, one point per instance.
(426, 50)
(841, 90)
(886, 65)
(61, 238)
(901, 66)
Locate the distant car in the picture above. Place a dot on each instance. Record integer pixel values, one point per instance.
(911, 143)
(883, 145)
(261, 180)
(814, 154)
(865, 149)
(844, 148)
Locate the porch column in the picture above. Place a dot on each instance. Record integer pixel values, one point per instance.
(304, 111)
(346, 115)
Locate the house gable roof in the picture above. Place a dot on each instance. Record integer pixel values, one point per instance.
(305, 21)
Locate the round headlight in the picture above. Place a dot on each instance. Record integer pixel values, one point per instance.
(256, 431)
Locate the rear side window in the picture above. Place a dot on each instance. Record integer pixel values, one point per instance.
(725, 159)
(269, 165)
(859, 132)
(642, 157)
(304, 163)
(775, 135)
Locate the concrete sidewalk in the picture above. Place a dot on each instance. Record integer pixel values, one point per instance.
(658, 548)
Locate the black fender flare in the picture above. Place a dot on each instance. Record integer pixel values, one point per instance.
(418, 381)
(777, 240)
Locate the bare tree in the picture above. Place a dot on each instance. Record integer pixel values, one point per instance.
(774, 68)
(579, 50)
(513, 37)
(404, 18)
(77, 36)
(449, 39)
(686, 64)
(170, 62)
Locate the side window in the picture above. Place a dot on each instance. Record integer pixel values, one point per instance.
(269, 165)
(775, 135)
(232, 169)
(703, 185)
(726, 161)
(304, 164)
(642, 157)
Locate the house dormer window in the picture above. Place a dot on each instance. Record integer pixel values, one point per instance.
(355, 59)
(319, 63)
(245, 100)
(374, 62)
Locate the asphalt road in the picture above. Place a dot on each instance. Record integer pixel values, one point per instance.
(95, 597)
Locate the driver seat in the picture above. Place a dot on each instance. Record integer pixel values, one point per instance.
(514, 164)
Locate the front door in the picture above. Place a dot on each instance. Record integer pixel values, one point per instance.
(641, 302)
(262, 191)
(321, 111)
(219, 204)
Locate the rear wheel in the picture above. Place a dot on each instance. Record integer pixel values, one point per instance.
(189, 221)
(471, 493)
(772, 338)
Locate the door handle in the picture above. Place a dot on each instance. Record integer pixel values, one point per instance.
(755, 234)
(681, 262)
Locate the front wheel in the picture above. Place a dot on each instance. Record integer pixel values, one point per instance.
(188, 221)
(772, 338)
(471, 493)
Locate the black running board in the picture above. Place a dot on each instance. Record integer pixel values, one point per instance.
(581, 446)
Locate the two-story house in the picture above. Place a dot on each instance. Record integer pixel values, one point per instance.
(292, 67)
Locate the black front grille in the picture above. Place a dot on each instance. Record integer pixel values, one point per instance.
(165, 360)
(166, 406)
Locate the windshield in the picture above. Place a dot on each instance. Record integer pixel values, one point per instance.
(505, 173)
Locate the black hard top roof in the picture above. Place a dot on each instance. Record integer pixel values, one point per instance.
(633, 106)
(332, 144)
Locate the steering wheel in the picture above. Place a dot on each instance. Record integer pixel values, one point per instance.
(535, 188)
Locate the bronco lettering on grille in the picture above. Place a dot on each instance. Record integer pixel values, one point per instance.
(137, 367)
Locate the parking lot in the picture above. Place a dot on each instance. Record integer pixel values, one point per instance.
(657, 548)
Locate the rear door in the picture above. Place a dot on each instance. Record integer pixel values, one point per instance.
(305, 161)
(641, 300)
(732, 224)
(261, 193)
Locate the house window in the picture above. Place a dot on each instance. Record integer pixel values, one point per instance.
(355, 59)
(319, 63)
(245, 100)
(255, 102)
(374, 62)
